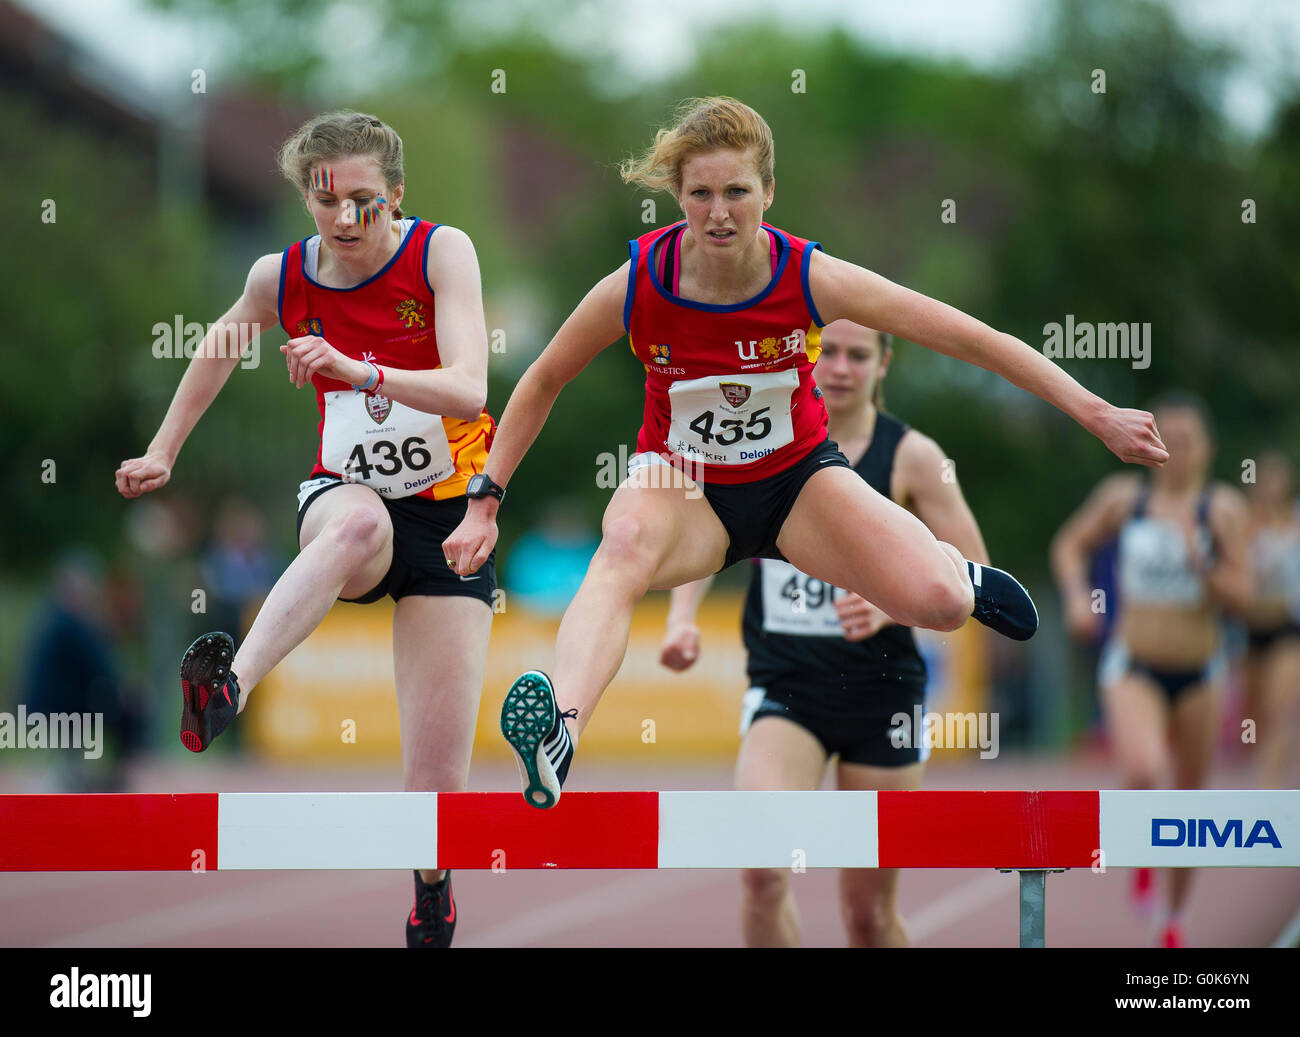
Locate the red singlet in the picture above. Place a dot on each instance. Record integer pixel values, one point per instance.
(396, 450)
(729, 389)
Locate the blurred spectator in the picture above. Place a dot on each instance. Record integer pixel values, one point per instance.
(238, 568)
(163, 534)
(71, 668)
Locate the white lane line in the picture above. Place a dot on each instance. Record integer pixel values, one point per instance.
(261, 901)
(613, 898)
(965, 900)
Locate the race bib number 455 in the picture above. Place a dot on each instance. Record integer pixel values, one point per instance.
(731, 419)
(395, 450)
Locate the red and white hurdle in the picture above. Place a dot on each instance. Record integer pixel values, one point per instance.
(1030, 832)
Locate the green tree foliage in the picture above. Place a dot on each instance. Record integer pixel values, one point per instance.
(1115, 207)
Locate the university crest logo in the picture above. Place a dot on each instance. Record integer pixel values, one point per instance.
(735, 393)
(411, 313)
(310, 326)
(661, 353)
(378, 407)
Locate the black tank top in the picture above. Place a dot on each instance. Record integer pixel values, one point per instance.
(791, 629)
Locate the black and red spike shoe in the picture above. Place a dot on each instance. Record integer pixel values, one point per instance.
(209, 691)
(432, 921)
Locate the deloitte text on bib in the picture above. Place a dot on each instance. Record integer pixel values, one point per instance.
(394, 449)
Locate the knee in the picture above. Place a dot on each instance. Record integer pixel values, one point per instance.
(1146, 775)
(361, 532)
(947, 602)
(870, 920)
(763, 888)
(625, 545)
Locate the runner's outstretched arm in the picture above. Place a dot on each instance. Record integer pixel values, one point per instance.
(843, 290)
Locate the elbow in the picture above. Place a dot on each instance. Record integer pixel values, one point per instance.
(470, 400)
(473, 407)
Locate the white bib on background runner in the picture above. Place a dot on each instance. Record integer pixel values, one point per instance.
(795, 603)
(395, 450)
(731, 419)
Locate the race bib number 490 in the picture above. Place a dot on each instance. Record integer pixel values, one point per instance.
(795, 603)
(395, 450)
(731, 419)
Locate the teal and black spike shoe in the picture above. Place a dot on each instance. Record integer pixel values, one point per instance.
(535, 729)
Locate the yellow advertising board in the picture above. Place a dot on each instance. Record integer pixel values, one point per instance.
(332, 699)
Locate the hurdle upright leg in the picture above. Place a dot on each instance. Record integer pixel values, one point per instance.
(1033, 904)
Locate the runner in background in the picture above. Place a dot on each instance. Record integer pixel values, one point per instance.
(1182, 559)
(1273, 621)
(828, 669)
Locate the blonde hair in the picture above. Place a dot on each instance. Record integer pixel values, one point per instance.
(702, 124)
(886, 341)
(339, 134)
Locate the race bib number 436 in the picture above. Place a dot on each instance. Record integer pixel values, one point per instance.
(395, 450)
(731, 419)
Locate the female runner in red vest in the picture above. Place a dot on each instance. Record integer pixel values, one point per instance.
(400, 384)
(735, 462)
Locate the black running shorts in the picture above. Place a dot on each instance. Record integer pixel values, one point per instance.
(862, 729)
(420, 525)
(753, 513)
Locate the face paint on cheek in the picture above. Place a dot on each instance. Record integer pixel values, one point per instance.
(369, 214)
(322, 178)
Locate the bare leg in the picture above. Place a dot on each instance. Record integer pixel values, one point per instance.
(843, 532)
(1194, 726)
(346, 547)
(653, 536)
(775, 755)
(1137, 718)
(1279, 707)
(869, 896)
(439, 654)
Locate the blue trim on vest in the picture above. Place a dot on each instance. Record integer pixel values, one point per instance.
(803, 276)
(424, 257)
(634, 252)
(406, 240)
(279, 295)
(709, 307)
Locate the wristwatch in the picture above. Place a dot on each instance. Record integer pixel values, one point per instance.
(482, 486)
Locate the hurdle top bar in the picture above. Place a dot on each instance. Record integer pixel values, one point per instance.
(485, 830)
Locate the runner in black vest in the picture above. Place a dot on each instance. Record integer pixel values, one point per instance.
(827, 669)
